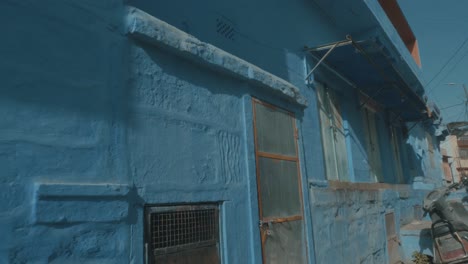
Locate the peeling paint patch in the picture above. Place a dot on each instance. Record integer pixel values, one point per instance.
(229, 150)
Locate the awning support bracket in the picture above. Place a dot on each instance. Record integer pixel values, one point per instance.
(357, 46)
(331, 48)
(370, 97)
(375, 65)
(413, 126)
(395, 118)
(330, 68)
(321, 60)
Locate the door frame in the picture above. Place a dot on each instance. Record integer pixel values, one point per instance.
(296, 159)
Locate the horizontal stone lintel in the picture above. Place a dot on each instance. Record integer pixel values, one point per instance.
(149, 29)
(70, 203)
(81, 189)
(69, 212)
(362, 186)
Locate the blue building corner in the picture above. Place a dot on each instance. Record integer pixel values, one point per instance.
(223, 132)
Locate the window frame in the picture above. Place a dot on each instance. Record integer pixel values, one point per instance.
(336, 157)
(373, 148)
(430, 149)
(396, 141)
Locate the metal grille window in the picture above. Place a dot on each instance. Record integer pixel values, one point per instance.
(182, 234)
(463, 141)
(463, 153)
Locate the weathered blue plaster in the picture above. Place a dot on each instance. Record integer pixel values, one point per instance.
(308, 220)
(148, 28)
(109, 108)
(387, 156)
(77, 203)
(352, 220)
(429, 176)
(189, 105)
(416, 237)
(252, 181)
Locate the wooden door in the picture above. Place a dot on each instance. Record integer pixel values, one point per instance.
(278, 185)
(393, 242)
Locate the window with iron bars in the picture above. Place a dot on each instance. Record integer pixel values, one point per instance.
(182, 234)
(463, 153)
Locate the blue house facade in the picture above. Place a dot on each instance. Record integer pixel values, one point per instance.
(223, 132)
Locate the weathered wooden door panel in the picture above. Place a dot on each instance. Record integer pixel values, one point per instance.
(278, 185)
(393, 242)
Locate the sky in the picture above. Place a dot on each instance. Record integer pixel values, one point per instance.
(441, 28)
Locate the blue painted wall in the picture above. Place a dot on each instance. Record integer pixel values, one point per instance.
(96, 125)
(62, 97)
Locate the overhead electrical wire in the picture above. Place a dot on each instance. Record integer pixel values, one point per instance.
(445, 65)
(450, 106)
(451, 117)
(452, 68)
(460, 115)
(448, 61)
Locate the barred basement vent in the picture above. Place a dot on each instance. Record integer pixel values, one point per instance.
(175, 234)
(225, 28)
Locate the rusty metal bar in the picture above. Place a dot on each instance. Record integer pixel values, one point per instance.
(369, 97)
(257, 167)
(323, 58)
(277, 220)
(275, 156)
(346, 80)
(415, 123)
(274, 107)
(330, 45)
(395, 118)
(330, 68)
(379, 70)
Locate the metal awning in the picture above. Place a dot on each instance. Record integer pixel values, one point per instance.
(366, 66)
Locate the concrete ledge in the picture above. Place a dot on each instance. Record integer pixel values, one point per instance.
(327, 197)
(318, 183)
(146, 28)
(416, 228)
(67, 203)
(416, 236)
(80, 189)
(339, 192)
(419, 185)
(337, 185)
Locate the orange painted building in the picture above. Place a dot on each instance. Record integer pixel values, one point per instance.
(455, 157)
